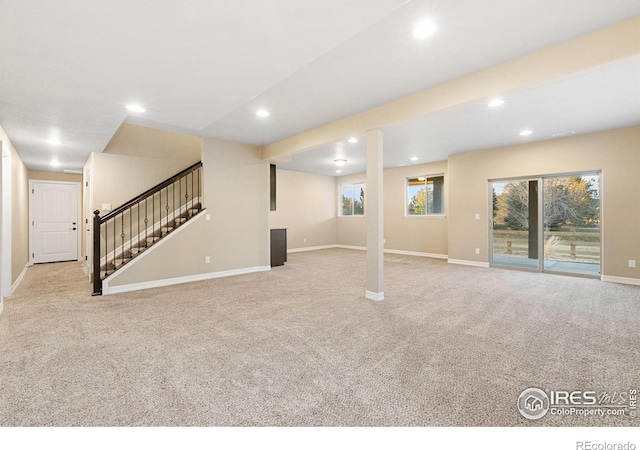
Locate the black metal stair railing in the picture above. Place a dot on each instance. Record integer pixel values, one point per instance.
(127, 231)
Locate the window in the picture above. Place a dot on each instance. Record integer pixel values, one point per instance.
(425, 195)
(352, 199)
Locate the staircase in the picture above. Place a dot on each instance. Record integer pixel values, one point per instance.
(140, 223)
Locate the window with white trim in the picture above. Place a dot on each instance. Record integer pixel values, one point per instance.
(352, 199)
(425, 195)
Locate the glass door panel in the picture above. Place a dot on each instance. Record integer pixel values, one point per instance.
(515, 229)
(572, 224)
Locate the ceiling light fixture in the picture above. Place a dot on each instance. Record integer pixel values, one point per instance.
(496, 102)
(565, 133)
(135, 108)
(424, 28)
(526, 132)
(340, 162)
(55, 142)
(338, 171)
(415, 158)
(353, 140)
(262, 113)
(55, 163)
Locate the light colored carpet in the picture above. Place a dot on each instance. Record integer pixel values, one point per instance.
(299, 345)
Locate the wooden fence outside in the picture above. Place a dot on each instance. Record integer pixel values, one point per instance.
(569, 245)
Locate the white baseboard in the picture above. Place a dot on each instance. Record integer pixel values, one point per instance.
(309, 249)
(421, 254)
(375, 296)
(364, 249)
(464, 262)
(621, 280)
(350, 247)
(19, 279)
(106, 290)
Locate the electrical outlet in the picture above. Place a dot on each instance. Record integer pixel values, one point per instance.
(207, 217)
(632, 263)
(106, 206)
(477, 216)
(477, 251)
(207, 259)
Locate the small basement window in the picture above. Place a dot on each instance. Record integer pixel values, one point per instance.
(425, 195)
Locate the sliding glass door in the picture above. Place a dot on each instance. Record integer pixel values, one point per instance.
(515, 224)
(547, 224)
(572, 224)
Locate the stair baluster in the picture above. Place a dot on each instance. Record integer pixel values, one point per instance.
(105, 264)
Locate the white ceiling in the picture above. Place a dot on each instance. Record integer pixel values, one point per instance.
(607, 97)
(68, 68)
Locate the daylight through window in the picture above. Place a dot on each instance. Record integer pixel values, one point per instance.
(352, 199)
(425, 195)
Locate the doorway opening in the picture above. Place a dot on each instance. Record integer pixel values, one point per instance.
(549, 223)
(54, 209)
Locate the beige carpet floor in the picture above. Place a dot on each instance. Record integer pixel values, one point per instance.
(299, 345)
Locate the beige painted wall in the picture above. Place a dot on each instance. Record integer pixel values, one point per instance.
(136, 159)
(236, 186)
(182, 255)
(117, 179)
(415, 234)
(54, 176)
(306, 207)
(19, 209)
(422, 235)
(19, 215)
(616, 153)
(350, 230)
(136, 140)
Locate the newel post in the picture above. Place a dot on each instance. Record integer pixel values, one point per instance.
(97, 280)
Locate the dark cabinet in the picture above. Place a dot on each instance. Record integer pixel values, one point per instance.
(278, 246)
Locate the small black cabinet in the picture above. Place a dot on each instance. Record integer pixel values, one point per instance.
(278, 246)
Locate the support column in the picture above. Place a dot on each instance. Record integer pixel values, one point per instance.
(375, 217)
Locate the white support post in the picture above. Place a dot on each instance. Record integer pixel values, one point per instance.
(375, 217)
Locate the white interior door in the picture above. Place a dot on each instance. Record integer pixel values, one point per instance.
(88, 218)
(54, 221)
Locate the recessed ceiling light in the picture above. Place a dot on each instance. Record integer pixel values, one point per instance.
(353, 140)
(133, 107)
(496, 102)
(565, 133)
(55, 142)
(55, 163)
(424, 28)
(262, 113)
(526, 132)
(338, 171)
(415, 158)
(340, 162)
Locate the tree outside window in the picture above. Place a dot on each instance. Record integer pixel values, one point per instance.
(425, 195)
(352, 199)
